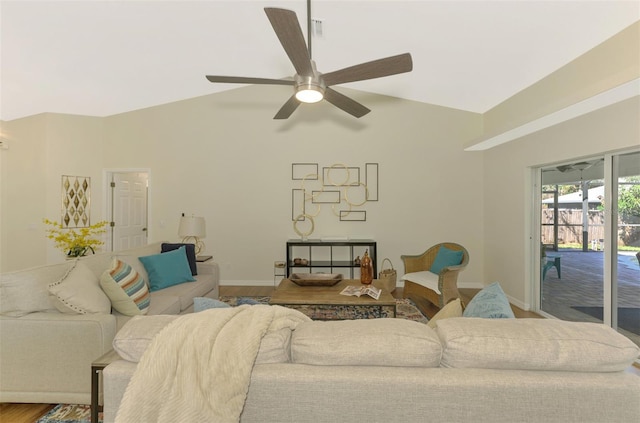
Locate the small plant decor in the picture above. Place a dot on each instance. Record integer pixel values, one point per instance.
(75, 243)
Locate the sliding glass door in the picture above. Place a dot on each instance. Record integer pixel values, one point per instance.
(589, 246)
(625, 254)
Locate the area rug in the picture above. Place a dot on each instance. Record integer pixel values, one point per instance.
(628, 317)
(405, 309)
(68, 413)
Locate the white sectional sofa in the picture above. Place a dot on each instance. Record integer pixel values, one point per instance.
(393, 370)
(45, 354)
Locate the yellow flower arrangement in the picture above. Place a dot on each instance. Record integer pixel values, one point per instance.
(75, 243)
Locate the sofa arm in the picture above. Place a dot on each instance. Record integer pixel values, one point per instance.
(209, 268)
(46, 357)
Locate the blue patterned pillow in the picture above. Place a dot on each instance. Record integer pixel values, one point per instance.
(205, 303)
(445, 258)
(490, 303)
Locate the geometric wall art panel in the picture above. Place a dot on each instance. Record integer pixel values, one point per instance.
(337, 185)
(76, 201)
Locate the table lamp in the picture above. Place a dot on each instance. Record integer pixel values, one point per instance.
(193, 228)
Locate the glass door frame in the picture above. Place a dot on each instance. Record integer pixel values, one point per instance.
(610, 289)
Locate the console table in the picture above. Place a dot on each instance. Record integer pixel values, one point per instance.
(329, 256)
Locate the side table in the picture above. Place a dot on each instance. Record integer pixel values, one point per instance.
(96, 368)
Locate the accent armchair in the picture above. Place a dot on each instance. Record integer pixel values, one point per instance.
(445, 281)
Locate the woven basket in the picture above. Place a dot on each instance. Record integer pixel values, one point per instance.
(388, 277)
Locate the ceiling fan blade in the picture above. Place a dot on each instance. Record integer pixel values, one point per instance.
(345, 103)
(289, 107)
(370, 70)
(285, 24)
(248, 80)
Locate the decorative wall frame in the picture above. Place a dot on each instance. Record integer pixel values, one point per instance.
(300, 171)
(76, 201)
(348, 192)
(371, 180)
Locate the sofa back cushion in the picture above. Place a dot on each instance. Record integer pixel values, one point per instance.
(27, 291)
(533, 344)
(375, 342)
(136, 335)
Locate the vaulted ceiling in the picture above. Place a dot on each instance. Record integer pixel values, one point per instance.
(106, 57)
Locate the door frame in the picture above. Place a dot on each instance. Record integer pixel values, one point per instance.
(610, 300)
(107, 199)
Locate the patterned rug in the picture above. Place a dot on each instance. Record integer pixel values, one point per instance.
(405, 309)
(68, 413)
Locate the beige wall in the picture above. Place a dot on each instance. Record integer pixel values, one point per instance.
(508, 192)
(42, 148)
(223, 157)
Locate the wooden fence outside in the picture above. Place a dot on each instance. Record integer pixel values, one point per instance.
(570, 226)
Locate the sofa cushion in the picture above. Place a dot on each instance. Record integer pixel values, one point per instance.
(27, 291)
(191, 254)
(376, 342)
(167, 269)
(452, 309)
(126, 289)
(425, 278)
(491, 302)
(445, 257)
(79, 291)
(534, 344)
(134, 337)
(187, 291)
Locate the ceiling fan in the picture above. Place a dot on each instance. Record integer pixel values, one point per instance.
(311, 86)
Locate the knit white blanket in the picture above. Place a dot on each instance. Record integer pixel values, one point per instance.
(198, 368)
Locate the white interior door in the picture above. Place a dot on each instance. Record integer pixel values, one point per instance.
(129, 210)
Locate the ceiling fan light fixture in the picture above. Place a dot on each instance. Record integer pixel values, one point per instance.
(310, 94)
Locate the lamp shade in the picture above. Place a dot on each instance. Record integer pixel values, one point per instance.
(191, 226)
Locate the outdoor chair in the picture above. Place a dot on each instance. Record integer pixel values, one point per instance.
(552, 261)
(446, 279)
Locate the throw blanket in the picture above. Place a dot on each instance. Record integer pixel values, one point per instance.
(198, 368)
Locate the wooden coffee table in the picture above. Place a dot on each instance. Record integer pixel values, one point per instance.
(326, 303)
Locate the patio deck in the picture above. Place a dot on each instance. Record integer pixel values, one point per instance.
(581, 285)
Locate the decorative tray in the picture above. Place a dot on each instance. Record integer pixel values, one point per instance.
(316, 279)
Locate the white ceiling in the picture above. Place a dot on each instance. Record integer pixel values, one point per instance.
(108, 57)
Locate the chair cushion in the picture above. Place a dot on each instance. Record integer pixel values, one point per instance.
(425, 278)
(444, 258)
(490, 303)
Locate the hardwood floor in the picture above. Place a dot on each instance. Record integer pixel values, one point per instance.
(29, 413)
(23, 413)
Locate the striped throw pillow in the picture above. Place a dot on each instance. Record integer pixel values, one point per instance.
(126, 289)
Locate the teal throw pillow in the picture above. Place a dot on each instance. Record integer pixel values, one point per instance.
(445, 257)
(204, 303)
(491, 303)
(167, 269)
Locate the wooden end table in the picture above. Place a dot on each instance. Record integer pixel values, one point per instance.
(290, 295)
